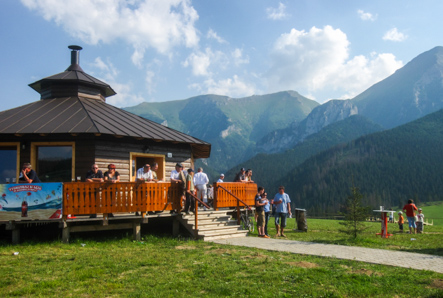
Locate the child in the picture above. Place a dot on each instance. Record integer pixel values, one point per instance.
(420, 220)
(401, 221)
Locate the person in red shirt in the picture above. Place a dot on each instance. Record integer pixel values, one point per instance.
(410, 209)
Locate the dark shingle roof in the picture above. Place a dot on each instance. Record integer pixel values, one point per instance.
(77, 76)
(83, 115)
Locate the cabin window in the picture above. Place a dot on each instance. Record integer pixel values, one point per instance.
(54, 162)
(140, 159)
(9, 165)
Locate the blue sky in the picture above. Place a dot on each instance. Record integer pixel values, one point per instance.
(175, 49)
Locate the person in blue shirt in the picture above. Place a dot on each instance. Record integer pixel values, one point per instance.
(267, 208)
(282, 204)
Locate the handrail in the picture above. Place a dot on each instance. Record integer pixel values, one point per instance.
(238, 203)
(229, 192)
(203, 203)
(196, 213)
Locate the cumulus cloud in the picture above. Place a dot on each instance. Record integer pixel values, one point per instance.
(213, 35)
(366, 16)
(201, 61)
(233, 87)
(394, 35)
(318, 59)
(277, 13)
(144, 24)
(238, 57)
(106, 72)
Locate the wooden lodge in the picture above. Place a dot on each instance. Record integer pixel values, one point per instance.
(71, 128)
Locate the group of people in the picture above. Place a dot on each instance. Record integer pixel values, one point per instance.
(193, 184)
(282, 206)
(144, 174)
(244, 176)
(415, 221)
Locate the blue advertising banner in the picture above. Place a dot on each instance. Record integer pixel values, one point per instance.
(40, 201)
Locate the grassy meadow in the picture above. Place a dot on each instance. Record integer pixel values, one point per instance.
(104, 265)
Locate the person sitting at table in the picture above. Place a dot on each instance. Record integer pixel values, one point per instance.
(28, 175)
(94, 175)
(144, 174)
(111, 175)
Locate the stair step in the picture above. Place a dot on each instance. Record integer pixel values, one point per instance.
(214, 232)
(218, 228)
(225, 236)
(214, 224)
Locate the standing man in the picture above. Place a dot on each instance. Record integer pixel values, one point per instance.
(410, 209)
(200, 181)
(259, 209)
(283, 207)
(144, 174)
(94, 175)
(178, 176)
(190, 201)
(222, 176)
(28, 175)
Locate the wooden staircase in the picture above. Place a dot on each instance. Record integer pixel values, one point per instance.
(213, 225)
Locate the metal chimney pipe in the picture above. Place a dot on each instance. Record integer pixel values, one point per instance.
(75, 58)
(75, 54)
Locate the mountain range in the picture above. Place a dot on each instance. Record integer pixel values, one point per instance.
(277, 134)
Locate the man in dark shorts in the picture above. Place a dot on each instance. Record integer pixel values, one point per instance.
(259, 209)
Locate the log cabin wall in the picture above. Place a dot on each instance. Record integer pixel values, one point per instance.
(117, 151)
(103, 150)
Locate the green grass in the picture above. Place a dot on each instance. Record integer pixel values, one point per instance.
(165, 267)
(433, 212)
(327, 231)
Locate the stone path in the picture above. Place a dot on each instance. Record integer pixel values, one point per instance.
(369, 255)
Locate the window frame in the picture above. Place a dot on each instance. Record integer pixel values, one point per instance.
(17, 145)
(161, 165)
(34, 148)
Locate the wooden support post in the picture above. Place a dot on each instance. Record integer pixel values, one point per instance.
(65, 232)
(175, 227)
(16, 235)
(137, 230)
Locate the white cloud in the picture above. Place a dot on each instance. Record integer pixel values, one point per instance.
(201, 61)
(106, 72)
(319, 60)
(144, 24)
(213, 35)
(238, 57)
(277, 13)
(366, 16)
(107, 69)
(233, 87)
(394, 35)
(150, 81)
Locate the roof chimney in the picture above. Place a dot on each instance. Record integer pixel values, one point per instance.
(75, 58)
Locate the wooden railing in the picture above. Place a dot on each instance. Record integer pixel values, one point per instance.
(91, 198)
(244, 191)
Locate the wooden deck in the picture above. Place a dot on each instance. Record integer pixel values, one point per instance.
(128, 205)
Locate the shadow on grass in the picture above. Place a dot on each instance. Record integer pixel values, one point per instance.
(50, 232)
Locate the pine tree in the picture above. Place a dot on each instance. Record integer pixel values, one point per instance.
(355, 214)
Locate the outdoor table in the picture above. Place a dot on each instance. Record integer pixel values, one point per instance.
(384, 223)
